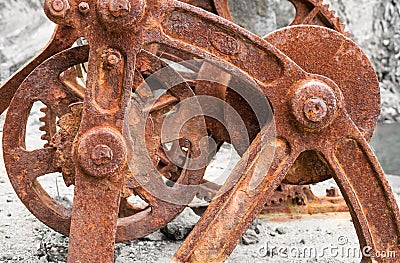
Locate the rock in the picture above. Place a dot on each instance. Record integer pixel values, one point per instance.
(24, 31)
(281, 230)
(156, 236)
(53, 246)
(65, 201)
(180, 228)
(252, 235)
(257, 16)
(5, 257)
(386, 31)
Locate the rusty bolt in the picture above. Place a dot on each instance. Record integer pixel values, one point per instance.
(84, 8)
(315, 109)
(120, 15)
(57, 8)
(102, 154)
(314, 104)
(58, 5)
(119, 8)
(113, 59)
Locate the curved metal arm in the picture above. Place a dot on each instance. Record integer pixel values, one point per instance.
(366, 190)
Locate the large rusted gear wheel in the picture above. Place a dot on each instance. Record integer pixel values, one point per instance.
(363, 112)
(24, 167)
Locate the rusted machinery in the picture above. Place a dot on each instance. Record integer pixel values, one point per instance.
(299, 106)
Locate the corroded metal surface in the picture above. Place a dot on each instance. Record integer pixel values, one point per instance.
(315, 12)
(322, 89)
(61, 158)
(295, 200)
(341, 144)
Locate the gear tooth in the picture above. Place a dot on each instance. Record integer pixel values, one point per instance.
(44, 137)
(345, 32)
(333, 21)
(325, 7)
(46, 119)
(319, 3)
(45, 111)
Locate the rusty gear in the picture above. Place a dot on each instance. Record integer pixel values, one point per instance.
(66, 104)
(315, 12)
(63, 140)
(327, 125)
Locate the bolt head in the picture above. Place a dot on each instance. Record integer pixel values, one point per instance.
(315, 109)
(119, 8)
(314, 104)
(58, 5)
(84, 7)
(57, 10)
(113, 60)
(101, 154)
(121, 15)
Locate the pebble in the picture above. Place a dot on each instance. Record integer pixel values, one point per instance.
(156, 236)
(180, 228)
(250, 237)
(281, 230)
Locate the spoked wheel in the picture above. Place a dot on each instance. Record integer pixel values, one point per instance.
(64, 102)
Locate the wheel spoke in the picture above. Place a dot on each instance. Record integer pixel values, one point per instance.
(34, 163)
(160, 103)
(310, 16)
(357, 172)
(242, 199)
